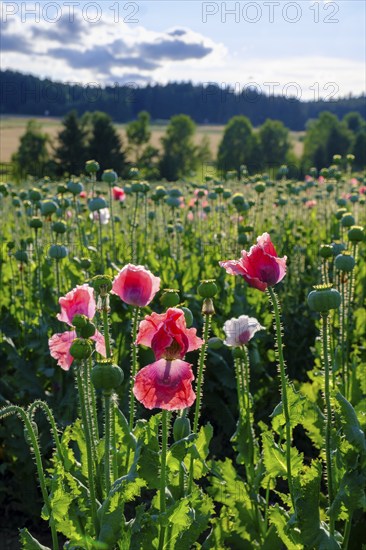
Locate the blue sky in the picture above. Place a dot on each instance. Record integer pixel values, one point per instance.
(305, 48)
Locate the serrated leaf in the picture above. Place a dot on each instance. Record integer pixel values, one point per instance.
(30, 543)
(296, 403)
(274, 458)
(280, 518)
(351, 425)
(200, 451)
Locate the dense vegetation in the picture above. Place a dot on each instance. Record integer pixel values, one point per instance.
(274, 456)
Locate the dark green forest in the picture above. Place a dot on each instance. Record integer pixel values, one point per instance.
(22, 94)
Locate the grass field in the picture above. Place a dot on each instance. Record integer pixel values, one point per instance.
(12, 128)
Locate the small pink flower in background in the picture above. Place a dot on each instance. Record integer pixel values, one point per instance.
(167, 334)
(165, 385)
(321, 179)
(182, 203)
(308, 178)
(190, 216)
(310, 204)
(362, 189)
(83, 195)
(60, 344)
(118, 194)
(354, 181)
(260, 267)
(239, 331)
(79, 301)
(136, 285)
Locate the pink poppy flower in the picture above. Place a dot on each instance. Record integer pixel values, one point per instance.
(60, 344)
(79, 301)
(239, 331)
(190, 216)
(167, 334)
(83, 195)
(165, 385)
(261, 267)
(310, 204)
(118, 194)
(136, 285)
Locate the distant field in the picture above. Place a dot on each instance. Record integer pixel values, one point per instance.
(12, 128)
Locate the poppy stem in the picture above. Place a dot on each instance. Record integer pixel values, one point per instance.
(164, 447)
(328, 425)
(281, 364)
(135, 323)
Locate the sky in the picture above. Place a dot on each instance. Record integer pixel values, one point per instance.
(308, 49)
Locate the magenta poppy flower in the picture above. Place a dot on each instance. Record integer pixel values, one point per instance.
(118, 194)
(260, 267)
(136, 285)
(165, 385)
(167, 334)
(60, 344)
(79, 301)
(239, 331)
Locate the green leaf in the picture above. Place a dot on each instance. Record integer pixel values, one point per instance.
(274, 458)
(280, 519)
(351, 425)
(296, 403)
(30, 543)
(241, 440)
(200, 451)
(201, 510)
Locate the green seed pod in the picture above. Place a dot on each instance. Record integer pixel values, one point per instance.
(324, 298)
(260, 187)
(326, 251)
(75, 187)
(207, 288)
(344, 262)
(62, 189)
(109, 176)
(173, 202)
(21, 256)
(212, 195)
(337, 159)
(151, 215)
(91, 167)
(79, 321)
(175, 192)
(242, 239)
(145, 187)
(87, 331)
(219, 189)
(35, 223)
(188, 315)
(238, 353)
(215, 343)
(356, 234)
(4, 189)
(85, 263)
(338, 247)
(227, 194)
(35, 195)
(59, 227)
(48, 208)
(341, 202)
(98, 203)
(106, 376)
(238, 199)
(354, 198)
(181, 428)
(160, 192)
(330, 187)
(102, 284)
(16, 202)
(170, 298)
(347, 220)
(57, 252)
(133, 173)
(137, 187)
(340, 213)
(81, 349)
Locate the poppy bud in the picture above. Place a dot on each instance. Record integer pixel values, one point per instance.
(81, 349)
(181, 428)
(106, 376)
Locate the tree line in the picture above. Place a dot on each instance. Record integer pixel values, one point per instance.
(94, 135)
(208, 103)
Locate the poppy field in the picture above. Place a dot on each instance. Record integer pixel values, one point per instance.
(184, 364)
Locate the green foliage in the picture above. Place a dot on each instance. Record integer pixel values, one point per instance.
(32, 157)
(237, 146)
(274, 139)
(179, 152)
(71, 150)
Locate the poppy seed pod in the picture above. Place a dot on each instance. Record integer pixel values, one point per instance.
(207, 288)
(109, 176)
(169, 298)
(91, 167)
(75, 187)
(344, 262)
(356, 234)
(98, 203)
(81, 349)
(324, 298)
(326, 251)
(36, 223)
(347, 220)
(102, 284)
(106, 376)
(48, 208)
